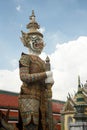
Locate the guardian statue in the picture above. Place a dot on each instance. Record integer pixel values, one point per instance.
(37, 81)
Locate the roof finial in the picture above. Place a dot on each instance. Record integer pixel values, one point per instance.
(79, 96)
(79, 84)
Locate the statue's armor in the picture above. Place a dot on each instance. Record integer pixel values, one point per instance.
(32, 99)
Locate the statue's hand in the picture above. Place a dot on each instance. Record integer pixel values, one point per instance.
(49, 74)
(49, 80)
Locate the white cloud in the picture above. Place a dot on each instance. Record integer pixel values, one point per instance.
(9, 80)
(68, 61)
(18, 8)
(21, 25)
(42, 30)
(43, 56)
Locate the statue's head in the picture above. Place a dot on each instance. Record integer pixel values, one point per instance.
(33, 39)
(36, 44)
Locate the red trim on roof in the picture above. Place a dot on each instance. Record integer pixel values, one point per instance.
(8, 100)
(57, 117)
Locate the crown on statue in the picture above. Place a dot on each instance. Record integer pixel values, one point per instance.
(33, 27)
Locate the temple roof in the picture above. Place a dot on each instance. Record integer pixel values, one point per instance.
(80, 98)
(8, 99)
(57, 106)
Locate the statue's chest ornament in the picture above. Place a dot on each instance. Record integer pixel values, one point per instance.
(36, 64)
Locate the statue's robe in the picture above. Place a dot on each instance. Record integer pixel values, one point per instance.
(32, 99)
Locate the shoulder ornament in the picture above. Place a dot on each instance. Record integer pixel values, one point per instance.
(24, 60)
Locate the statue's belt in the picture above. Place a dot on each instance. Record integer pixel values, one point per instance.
(34, 96)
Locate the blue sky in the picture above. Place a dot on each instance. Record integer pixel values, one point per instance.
(62, 21)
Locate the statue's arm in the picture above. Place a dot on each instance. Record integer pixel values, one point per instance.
(25, 76)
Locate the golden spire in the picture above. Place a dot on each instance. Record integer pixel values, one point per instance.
(80, 96)
(32, 17)
(33, 26)
(79, 84)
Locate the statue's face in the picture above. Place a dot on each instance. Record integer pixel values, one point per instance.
(36, 44)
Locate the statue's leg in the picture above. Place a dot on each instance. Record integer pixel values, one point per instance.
(30, 127)
(29, 111)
